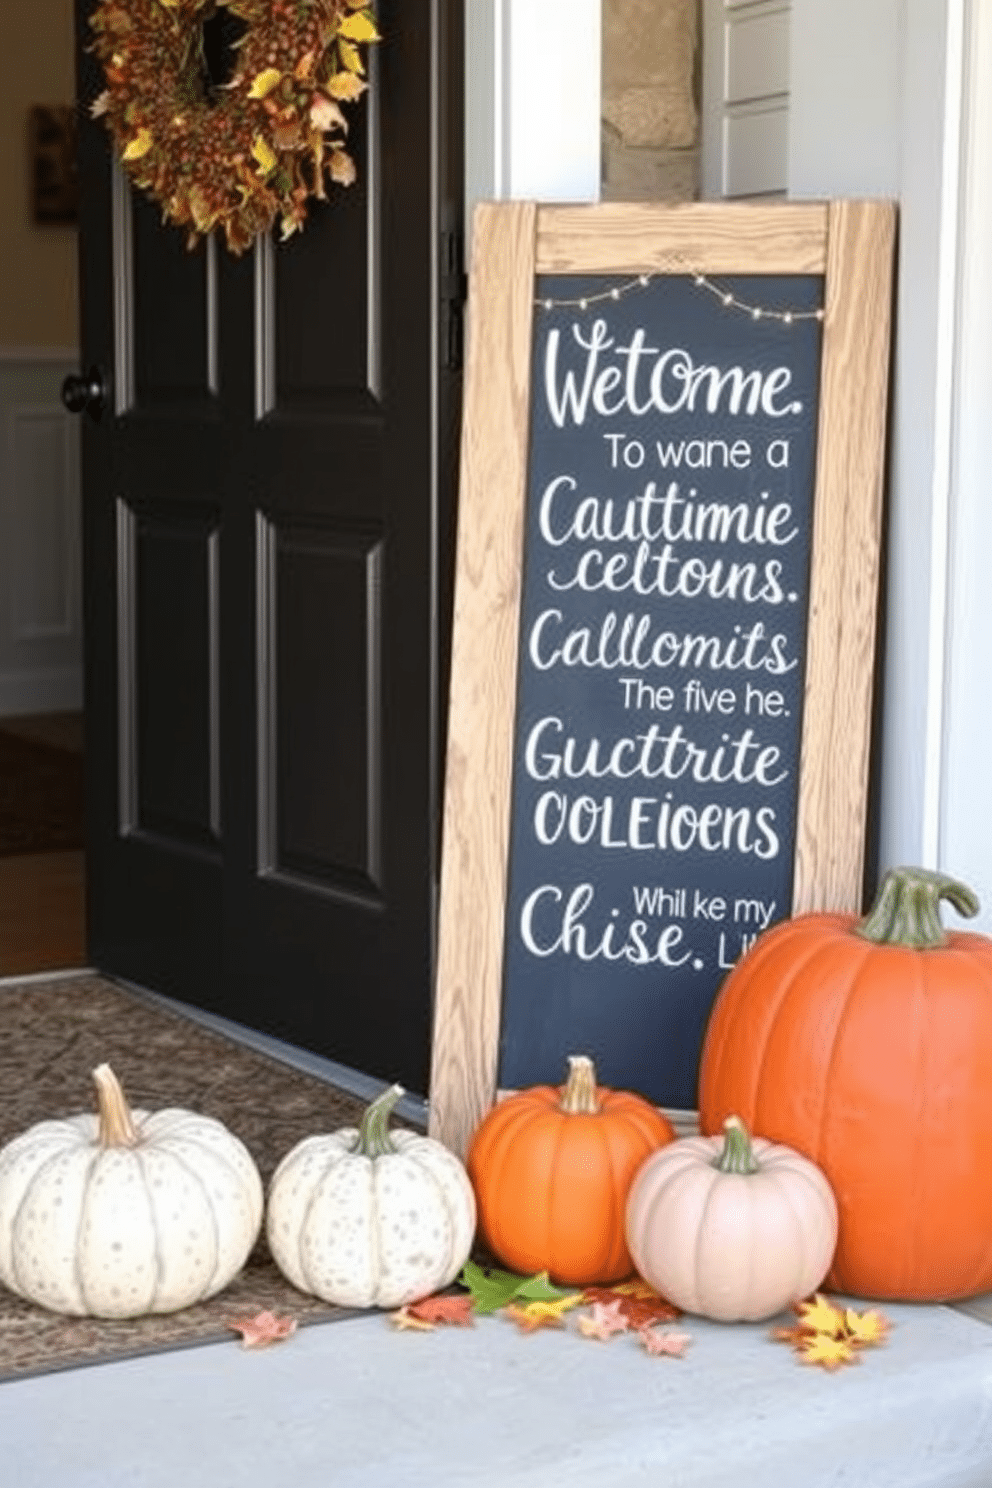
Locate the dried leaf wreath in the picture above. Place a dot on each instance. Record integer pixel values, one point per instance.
(235, 156)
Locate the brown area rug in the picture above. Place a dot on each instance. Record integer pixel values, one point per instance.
(52, 1034)
(41, 796)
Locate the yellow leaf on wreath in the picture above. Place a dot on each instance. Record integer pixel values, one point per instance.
(342, 168)
(346, 86)
(139, 146)
(263, 82)
(325, 114)
(359, 27)
(350, 57)
(264, 154)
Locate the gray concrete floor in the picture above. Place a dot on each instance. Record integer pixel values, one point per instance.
(356, 1403)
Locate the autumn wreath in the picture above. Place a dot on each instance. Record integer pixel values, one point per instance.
(234, 154)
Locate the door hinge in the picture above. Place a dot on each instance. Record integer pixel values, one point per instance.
(454, 288)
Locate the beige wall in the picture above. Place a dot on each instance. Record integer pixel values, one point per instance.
(37, 264)
(650, 114)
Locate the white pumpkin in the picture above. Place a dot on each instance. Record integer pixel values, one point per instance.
(125, 1213)
(730, 1228)
(370, 1217)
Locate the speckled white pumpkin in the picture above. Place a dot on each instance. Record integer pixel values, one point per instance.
(127, 1212)
(370, 1217)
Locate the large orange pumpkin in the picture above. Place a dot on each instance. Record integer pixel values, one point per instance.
(867, 1046)
(551, 1170)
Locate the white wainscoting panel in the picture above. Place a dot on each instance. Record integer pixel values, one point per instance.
(40, 580)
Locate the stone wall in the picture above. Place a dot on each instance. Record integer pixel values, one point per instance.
(650, 100)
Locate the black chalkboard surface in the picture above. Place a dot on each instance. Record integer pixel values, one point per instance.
(663, 645)
(661, 662)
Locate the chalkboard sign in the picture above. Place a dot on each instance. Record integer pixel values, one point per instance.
(665, 598)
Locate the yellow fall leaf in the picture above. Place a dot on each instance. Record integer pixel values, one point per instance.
(541, 1314)
(865, 1329)
(359, 26)
(264, 154)
(346, 86)
(829, 1353)
(822, 1316)
(350, 56)
(263, 82)
(139, 146)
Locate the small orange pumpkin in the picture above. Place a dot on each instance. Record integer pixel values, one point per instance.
(867, 1046)
(551, 1170)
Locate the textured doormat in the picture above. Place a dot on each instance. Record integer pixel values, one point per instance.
(52, 1034)
(41, 796)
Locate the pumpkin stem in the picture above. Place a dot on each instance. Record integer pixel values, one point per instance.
(373, 1137)
(117, 1128)
(578, 1096)
(737, 1155)
(907, 909)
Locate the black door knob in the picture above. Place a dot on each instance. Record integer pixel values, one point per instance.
(85, 394)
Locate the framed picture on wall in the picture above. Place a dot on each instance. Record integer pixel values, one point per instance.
(52, 164)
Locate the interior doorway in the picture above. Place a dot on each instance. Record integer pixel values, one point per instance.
(42, 867)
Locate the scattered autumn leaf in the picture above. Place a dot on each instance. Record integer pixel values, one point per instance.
(263, 1329)
(830, 1336)
(866, 1329)
(534, 1315)
(405, 1320)
(492, 1288)
(829, 1353)
(447, 1309)
(640, 1304)
(662, 1341)
(821, 1316)
(605, 1319)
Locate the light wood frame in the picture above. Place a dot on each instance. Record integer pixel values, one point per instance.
(852, 245)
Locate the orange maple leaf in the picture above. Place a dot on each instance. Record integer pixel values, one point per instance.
(263, 1329)
(456, 1310)
(639, 1303)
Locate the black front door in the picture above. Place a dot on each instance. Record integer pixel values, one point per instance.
(268, 498)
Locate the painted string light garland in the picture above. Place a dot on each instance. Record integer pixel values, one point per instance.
(725, 296)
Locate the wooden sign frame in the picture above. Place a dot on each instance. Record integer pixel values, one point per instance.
(852, 245)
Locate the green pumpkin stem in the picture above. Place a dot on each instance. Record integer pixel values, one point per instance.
(906, 911)
(373, 1137)
(737, 1155)
(578, 1096)
(117, 1128)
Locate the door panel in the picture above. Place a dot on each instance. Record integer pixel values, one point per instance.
(268, 522)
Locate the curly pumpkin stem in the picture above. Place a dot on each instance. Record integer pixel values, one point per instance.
(578, 1096)
(737, 1155)
(906, 911)
(117, 1128)
(373, 1137)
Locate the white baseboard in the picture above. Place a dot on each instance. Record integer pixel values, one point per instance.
(59, 690)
